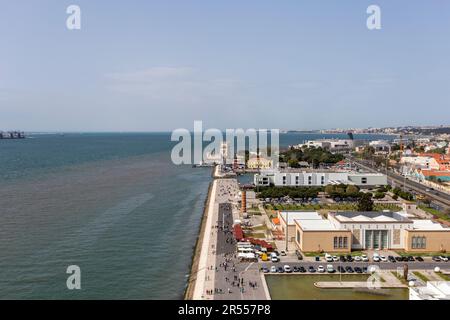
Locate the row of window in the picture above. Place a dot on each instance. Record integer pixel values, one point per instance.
(418, 242)
(340, 243)
(297, 180)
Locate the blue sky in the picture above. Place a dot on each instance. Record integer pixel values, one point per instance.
(160, 65)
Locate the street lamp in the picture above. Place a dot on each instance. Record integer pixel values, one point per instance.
(287, 229)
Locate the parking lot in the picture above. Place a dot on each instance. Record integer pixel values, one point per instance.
(351, 264)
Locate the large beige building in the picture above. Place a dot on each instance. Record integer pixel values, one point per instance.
(346, 231)
(259, 163)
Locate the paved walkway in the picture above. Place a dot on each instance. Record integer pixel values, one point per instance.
(208, 241)
(220, 274)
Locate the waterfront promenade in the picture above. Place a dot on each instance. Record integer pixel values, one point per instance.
(219, 275)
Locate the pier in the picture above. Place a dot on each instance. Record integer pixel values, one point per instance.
(12, 135)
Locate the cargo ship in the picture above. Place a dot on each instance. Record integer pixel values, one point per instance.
(12, 135)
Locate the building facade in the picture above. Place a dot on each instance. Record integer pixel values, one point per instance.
(317, 178)
(346, 231)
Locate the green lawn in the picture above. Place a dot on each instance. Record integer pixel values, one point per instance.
(421, 276)
(418, 254)
(446, 277)
(400, 278)
(255, 235)
(437, 213)
(259, 228)
(315, 254)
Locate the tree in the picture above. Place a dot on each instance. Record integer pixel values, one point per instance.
(329, 189)
(365, 203)
(352, 191)
(293, 163)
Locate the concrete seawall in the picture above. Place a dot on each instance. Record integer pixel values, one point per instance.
(192, 281)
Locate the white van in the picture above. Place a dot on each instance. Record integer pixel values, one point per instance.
(274, 257)
(376, 257)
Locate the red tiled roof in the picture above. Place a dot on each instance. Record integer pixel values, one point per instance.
(429, 173)
(260, 242)
(238, 233)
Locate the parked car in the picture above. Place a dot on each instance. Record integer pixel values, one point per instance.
(335, 259)
(444, 258)
(287, 269)
(358, 258)
(376, 257)
(358, 270)
(302, 269)
(364, 269)
(273, 269)
(349, 269)
(350, 258)
(383, 259)
(364, 258)
(341, 269)
(296, 269)
(419, 258)
(317, 258)
(342, 259)
(320, 269)
(283, 253)
(330, 268)
(391, 259)
(328, 257)
(311, 269)
(436, 258)
(264, 269)
(411, 259)
(398, 259)
(299, 255)
(280, 270)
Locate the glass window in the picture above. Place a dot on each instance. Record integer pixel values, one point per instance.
(414, 243)
(345, 242)
(335, 242)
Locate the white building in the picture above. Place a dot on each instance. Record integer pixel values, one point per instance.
(317, 178)
(434, 290)
(346, 231)
(380, 145)
(420, 162)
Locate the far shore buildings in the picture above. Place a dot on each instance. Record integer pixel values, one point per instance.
(346, 231)
(259, 163)
(305, 177)
(332, 145)
(427, 166)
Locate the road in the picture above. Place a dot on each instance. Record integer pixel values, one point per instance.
(441, 198)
